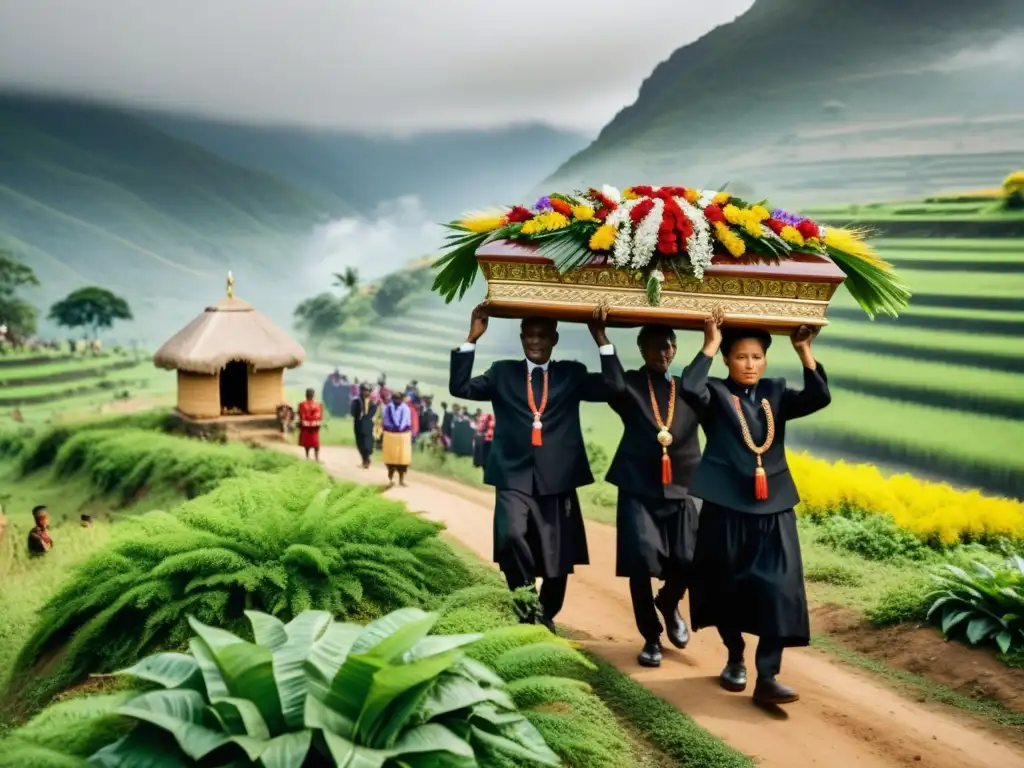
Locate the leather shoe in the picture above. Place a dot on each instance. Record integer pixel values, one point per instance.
(542, 618)
(771, 691)
(675, 626)
(650, 656)
(734, 678)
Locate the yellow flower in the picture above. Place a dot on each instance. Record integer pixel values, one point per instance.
(629, 194)
(814, 242)
(721, 198)
(732, 242)
(484, 222)
(761, 212)
(691, 196)
(603, 239)
(531, 227)
(791, 236)
(551, 220)
(583, 212)
(733, 215)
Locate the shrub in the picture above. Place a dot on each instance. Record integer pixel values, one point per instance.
(875, 537)
(984, 606)
(907, 601)
(281, 543)
(318, 692)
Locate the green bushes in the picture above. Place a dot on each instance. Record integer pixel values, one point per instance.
(280, 542)
(986, 606)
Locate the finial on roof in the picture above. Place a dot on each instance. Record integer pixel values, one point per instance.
(231, 285)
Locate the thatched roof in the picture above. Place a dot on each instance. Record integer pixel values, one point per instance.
(229, 330)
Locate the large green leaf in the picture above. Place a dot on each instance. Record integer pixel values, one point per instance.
(435, 644)
(351, 685)
(392, 635)
(171, 670)
(289, 662)
(216, 687)
(348, 754)
(432, 737)
(240, 717)
(454, 692)
(248, 670)
(328, 655)
(952, 618)
(1004, 640)
(144, 747)
(267, 630)
(509, 748)
(388, 685)
(182, 714)
(981, 628)
(288, 750)
(320, 716)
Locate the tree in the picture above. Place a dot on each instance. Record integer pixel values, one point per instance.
(91, 307)
(17, 314)
(320, 316)
(389, 298)
(349, 279)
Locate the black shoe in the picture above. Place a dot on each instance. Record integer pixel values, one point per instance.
(734, 678)
(675, 626)
(650, 656)
(543, 619)
(768, 690)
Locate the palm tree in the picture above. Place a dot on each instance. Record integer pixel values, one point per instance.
(349, 279)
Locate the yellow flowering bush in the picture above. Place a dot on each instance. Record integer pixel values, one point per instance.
(936, 513)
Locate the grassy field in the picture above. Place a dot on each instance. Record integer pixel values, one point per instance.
(42, 387)
(937, 390)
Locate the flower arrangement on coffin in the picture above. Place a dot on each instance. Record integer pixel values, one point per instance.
(652, 230)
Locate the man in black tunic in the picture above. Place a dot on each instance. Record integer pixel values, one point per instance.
(363, 410)
(656, 526)
(748, 570)
(537, 459)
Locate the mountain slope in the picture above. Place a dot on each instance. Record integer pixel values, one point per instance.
(449, 171)
(779, 96)
(91, 194)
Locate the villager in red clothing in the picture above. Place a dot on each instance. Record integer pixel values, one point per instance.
(311, 414)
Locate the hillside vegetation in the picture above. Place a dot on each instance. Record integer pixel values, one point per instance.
(837, 100)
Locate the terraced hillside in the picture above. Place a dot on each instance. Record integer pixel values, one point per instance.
(938, 390)
(40, 386)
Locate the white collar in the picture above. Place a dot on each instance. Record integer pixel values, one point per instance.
(531, 365)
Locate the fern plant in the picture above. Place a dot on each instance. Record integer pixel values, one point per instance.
(984, 606)
(280, 543)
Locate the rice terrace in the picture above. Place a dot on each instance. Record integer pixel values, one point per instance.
(247, 523)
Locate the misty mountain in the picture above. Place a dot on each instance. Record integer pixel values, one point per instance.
(90, 194)
(449, 171)
(827, 100)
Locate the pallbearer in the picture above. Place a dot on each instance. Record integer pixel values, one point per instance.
(537, 458)
(311, 414)
(748, 571)
(653, 466)
(364, 410)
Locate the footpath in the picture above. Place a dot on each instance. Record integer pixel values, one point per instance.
(844, 719)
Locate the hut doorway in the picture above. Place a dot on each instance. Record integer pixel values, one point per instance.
(234, 387)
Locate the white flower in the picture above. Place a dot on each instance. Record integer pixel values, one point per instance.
(658, 275)
(699, 245)
(707, 196)
(645, 241)
(611, 193)
(619, 218)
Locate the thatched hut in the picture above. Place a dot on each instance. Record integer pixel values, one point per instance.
(230, 361)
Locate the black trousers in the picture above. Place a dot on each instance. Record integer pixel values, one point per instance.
(645, 604)
(767, 657)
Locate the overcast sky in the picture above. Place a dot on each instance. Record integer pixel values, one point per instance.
(366, 64)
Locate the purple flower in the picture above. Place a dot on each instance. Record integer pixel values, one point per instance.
(543, 204)
(786, 217)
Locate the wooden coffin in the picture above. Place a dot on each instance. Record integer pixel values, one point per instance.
(777, 297)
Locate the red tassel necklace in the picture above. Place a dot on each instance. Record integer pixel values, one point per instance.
(664, 436)
(760, 477)
(538, 411)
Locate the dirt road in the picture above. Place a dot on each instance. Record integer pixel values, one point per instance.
(844, 718)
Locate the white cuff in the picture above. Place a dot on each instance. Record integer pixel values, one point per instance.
(606, 349)
(467, 347)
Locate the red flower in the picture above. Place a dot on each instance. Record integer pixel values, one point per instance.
(713, 213)
(775, 225)
(644, 191)
(562, 207)
(603, 199)
(808, 229)
(640, 210)
(668, 247)
(601, 214)
(519, 214)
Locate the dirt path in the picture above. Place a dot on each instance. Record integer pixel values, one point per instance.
(844, 718)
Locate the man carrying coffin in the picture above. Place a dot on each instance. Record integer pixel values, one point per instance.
(537, 458)
(656, 526)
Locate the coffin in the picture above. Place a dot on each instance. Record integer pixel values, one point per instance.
(775, 296)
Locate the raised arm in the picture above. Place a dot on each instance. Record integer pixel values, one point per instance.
(461, 381)
(815, 395)
(694, 381)
(610, 383)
